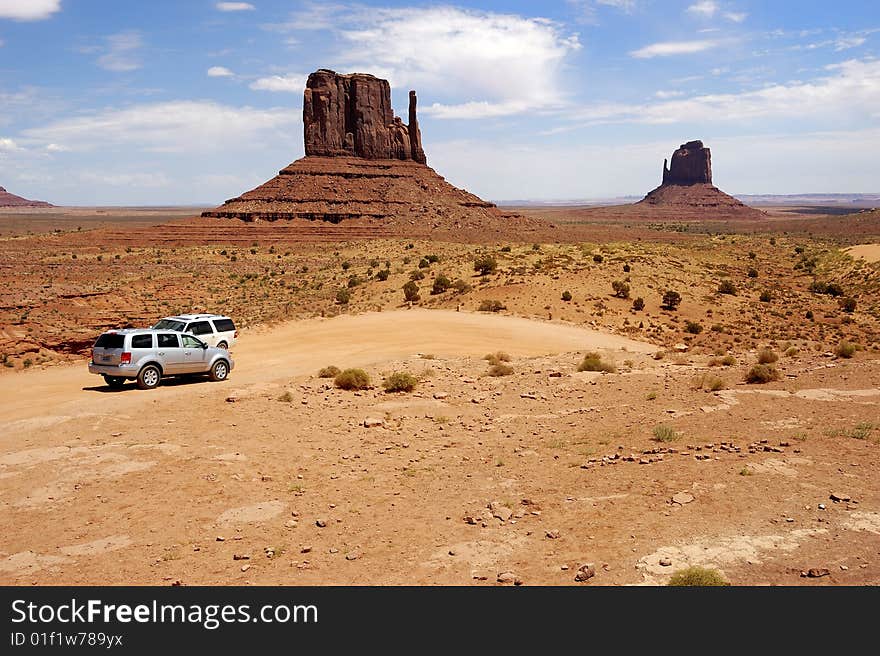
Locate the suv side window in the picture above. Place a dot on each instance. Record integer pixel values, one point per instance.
(142, 341)
(224, 325)
(190, 342)
(167, 341)
(200, 328)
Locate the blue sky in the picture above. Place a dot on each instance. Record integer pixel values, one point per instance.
(105, 102)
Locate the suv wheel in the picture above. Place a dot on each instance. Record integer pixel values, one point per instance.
(220, 370)
(223, 345)
(149, 377)
(114, 381)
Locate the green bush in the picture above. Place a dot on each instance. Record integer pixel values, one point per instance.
(500, 369)
(400, 381)
(497, 357)
(491, 306)
(353, 282)
(329, 372)
(593, 362)
(727, 287)
(765, 296)
(411, 292)
(693, 327)
(767, 356)
(848, 304)
(696, 576)
(343, 296)
(432, 259)
(461, 286)
(441, 284)
(598, 259)
(845, 349)
(566, 296)
(671, 299)
(424, 264)
(352, 379)
(753, 273)
(639, 304)
(485, 265)
(665, 433)
(621, 288)
(762, 373)
(416, 275)
(383, 274)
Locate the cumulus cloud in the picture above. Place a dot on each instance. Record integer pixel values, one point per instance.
(8, 145)
(850, 89)
(121, 52)
(234, 6)
(668, 48)
(291, 83)
(29, 10)
(704, 8)
(492, 64)
(220, 71)
(167, 127)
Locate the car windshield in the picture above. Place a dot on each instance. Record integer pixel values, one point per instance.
(191, 342)
(169, 324)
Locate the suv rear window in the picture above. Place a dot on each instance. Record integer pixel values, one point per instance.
(110, 341)
(142, 341)
(200, 328)
(169, 324)
(224, 325)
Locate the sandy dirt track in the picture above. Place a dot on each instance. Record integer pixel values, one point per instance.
(302, 347)
(867, 252)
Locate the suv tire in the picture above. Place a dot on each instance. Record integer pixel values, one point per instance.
(220, 370)
(116, 382)
(223, 345)
(149, 377)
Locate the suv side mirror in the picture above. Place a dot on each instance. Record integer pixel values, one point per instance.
(204, 346)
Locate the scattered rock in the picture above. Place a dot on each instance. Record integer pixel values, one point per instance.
(441, 395)
(553, 534)
(320, 523)
(683, 498)
(507, 577)
(373, 422)
(306, 549)
(354, 555)
(500, 511)
(231, 399)
(585, 573)
(816, 572)
(240, 557)
(840, 496)
(665, 562)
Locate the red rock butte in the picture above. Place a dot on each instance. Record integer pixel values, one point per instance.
(687, 184)
(366, 169)
(11, 200)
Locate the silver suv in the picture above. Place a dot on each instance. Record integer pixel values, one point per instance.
(213, 329)
(148, 355)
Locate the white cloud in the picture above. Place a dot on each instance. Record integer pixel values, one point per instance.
(167, 127)
(663, 95)
(668, 48)
(845, 43)
(234, 6)
(491, 64)
(291, 83)
(8, 145)
(120, 53)
(587, 9)
(850, 89)
(220, 71)
(28, 10)
(56, 148)
(704, 8)
(736, 17)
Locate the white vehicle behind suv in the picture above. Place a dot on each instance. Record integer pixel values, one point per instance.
(213, 329)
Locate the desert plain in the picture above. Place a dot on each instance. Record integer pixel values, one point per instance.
(505, 464)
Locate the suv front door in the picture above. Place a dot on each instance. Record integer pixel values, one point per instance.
(194, 355)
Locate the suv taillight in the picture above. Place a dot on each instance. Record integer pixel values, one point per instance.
(125, 358)
(236, 335)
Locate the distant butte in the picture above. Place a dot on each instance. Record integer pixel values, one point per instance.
(11, 200)
(366, 169)
(687, 183)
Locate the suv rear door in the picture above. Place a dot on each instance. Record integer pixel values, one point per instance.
(108, 349)
(203, 330)
(170, 354)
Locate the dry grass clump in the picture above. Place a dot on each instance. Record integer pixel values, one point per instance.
(846, 349)
(400, 381)
(497, 357)
(696, 576)
(329, 372)
(709, 382)
(352, 379)
(593, 362)
(762, 373)
(665, 433)
(767, 356)
(500, 369)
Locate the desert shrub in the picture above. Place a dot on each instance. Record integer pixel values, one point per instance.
(693, 327)
(491, 306)
(834, 289)
(728, 361)
(665, 433)
(767, 356)
(765, 296)
(441, 284)
(593, 362)
(598, 259)
(848, 304)
(343, 296)
(621, 288)
(696, 576)
(506, 249)
(432, 259)
(727, 287)
(752, 255)
(818, 287)
(762, 373)
(485, 265)
(713, 383)
(400, 381)
(495, 358)
(626, 268)
(671, 299)
(352, 379)
(500, 369)
(329, 372)
(753, 272)
(383, 274)
(354, 281)
(416, 275)
(845, 349)
(346, 265)
(566, 296)
(411, 292)
(287, 397)
(461, 286)
(639, 304)
(424, 264)
(809, 315)
(798, 249)
(792, 351)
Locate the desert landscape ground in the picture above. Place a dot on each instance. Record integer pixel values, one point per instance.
(667, 459)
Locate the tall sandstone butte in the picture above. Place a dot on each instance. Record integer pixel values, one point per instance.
(365, 173)
(687, 185)
(352, 115)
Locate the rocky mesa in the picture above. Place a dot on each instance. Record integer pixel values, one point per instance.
(11, 200)
(366, 170)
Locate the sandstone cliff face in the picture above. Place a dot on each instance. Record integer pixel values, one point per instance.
(11, 200)
(691, 164)
(351, 115)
